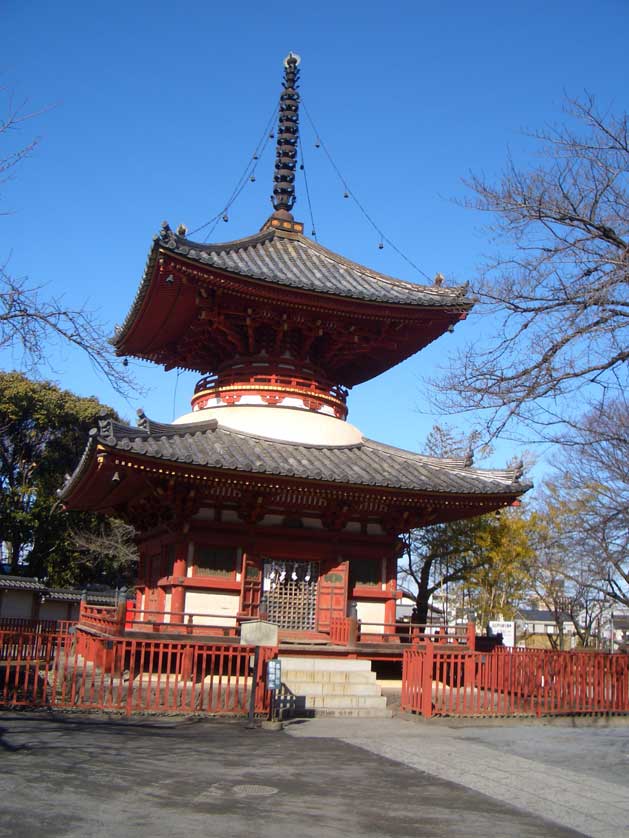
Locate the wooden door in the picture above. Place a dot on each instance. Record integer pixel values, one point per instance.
(332, 599)
(251, 589)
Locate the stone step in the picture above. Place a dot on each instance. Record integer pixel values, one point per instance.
(313, 702)
(351, 712)
(333, 676)
(330, 688)
(325, 664)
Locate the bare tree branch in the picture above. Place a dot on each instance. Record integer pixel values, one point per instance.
(556, 294)
(30, 321)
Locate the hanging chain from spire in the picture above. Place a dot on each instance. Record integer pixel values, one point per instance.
(287, 137)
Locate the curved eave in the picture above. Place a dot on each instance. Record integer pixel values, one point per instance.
(450, 303)
(92, 487)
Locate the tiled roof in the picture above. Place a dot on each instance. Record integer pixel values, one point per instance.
(29, 583)
(295, 260)
(366, 463)
(76, 595)
(21, 583)
(536, 615)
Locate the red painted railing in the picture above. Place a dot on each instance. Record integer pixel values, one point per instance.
(104, 618)
(340, 630)
(417, 633)
(438, 681)
(174, 621)
(85, 671)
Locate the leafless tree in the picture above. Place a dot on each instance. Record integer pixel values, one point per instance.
(556, 294)
(595, 482)
(111, 548)
(30, 320)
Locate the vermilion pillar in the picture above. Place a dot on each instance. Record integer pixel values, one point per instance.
(178, 598)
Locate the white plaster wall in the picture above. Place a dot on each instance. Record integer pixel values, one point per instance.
(272, 520)
(372, 613)
(58, 611)
(283, 423)
(167, 601)
(17, 604)
(205, 514)
(223, 605)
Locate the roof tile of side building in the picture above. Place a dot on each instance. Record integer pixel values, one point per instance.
(295, 261)
(21, 583)
(367, 463)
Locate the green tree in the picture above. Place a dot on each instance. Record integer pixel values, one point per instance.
(42, 435)
(487, 553)
(497, 586)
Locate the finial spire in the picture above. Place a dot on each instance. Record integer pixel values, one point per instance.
(287, 135)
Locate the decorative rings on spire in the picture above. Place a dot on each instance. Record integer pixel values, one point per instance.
(287, 137)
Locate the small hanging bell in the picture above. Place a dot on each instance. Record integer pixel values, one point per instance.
(252, 178)
(225, 217)
(317, 144)
(380, 245)
(346, 194)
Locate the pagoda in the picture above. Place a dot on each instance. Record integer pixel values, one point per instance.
(263, 500)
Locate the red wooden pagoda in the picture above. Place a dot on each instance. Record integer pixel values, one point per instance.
(264, 500)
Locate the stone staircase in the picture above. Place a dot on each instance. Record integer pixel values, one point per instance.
(331, 687)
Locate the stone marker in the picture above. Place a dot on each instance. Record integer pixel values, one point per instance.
(258, 633)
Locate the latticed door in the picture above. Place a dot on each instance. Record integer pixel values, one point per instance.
(290, 594)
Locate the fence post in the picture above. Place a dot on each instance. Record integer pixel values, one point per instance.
(428, 661)
(469, 679)
(471, 636)
(129, 614)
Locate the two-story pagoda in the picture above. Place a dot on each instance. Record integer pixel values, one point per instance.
(264, 500)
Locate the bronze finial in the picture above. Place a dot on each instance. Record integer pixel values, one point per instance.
(287, 136)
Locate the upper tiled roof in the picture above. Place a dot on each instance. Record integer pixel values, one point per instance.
(367, 463)
(295, 260)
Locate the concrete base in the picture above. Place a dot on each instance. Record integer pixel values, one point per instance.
(275, 724)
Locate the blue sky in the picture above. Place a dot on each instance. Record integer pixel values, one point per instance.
(150, 111)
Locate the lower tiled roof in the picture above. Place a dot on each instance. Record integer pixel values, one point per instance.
(366, 463)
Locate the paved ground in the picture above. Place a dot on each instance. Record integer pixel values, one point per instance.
(574, 774)
(70, 775)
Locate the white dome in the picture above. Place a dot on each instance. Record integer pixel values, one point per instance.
(281, 423)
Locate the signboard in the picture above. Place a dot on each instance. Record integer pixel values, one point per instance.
(273, 675)
(506, 629)
(258, 633)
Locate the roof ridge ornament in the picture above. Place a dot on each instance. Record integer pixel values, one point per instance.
(283, 198)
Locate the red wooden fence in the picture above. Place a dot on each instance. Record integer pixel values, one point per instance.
(25, 624)
(81, 670)
(438, 681)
